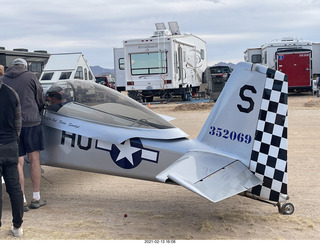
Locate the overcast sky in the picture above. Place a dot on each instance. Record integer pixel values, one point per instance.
(94, 27)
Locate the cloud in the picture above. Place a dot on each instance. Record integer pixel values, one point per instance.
(95, 27)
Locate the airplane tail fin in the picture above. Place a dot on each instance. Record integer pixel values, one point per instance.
(249, 122)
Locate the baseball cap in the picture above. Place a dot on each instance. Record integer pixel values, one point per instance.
(18, 61)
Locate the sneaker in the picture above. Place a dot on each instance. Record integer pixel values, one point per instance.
(25, 207)
(17, 232)
(38, 203)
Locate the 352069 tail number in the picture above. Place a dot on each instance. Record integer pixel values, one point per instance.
(230, 135)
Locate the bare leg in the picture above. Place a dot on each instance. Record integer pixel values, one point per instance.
(34, 158)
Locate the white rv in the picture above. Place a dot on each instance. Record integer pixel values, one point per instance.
(63, 67)
(165, 64)
(298, 59)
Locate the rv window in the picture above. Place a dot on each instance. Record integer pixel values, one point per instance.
(35, 67)
(85, 74)
(202, 53)
(256, 58)
(121, 63)
(265, 57)
(148, 63)
(65, 76)
(90, 75)
(79, 73)
(47, 76)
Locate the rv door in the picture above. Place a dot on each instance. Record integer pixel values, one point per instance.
(181, 64)
(119, 69)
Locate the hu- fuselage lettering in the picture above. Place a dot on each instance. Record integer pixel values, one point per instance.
(73, 137)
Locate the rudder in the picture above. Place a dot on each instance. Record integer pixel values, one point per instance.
(269, 154)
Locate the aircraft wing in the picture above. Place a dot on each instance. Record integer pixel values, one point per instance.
(212, 176)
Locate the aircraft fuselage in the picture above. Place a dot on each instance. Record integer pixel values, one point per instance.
(136, 158)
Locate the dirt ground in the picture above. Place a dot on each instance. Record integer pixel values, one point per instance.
(89, 206)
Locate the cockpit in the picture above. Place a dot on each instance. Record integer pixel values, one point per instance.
(99, 104)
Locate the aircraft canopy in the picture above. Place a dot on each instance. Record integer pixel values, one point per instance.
(97, 103)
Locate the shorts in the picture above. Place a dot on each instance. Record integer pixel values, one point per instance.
(30, 140)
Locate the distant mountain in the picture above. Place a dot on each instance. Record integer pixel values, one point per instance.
(232, 65)
(99, 71)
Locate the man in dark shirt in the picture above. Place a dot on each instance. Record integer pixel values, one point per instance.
(10, 127)
(30, 92)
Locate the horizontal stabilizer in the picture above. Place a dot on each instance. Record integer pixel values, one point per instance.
(166, 117)
(210, 175)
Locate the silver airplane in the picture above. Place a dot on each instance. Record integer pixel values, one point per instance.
(241, 149)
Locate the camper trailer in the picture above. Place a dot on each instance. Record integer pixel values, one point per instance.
(298, 59)
(167, 63)
(63, 67)
(36, 60)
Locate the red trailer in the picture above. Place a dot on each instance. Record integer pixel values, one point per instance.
(296, 64)
(298, 59)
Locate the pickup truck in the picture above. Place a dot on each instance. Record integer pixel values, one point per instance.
(106, 81)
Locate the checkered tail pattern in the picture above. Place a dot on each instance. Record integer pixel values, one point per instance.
(269, 154)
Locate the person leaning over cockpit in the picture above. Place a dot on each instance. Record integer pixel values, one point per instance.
(56, 99)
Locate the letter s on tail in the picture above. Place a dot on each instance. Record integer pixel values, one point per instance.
(249, 122)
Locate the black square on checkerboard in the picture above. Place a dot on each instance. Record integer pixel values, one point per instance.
(271, 162)
(273, 107)
(264, 148)
(275, 141)
(274, 196)
(280, 119)
(267, 182)
(260, 168)
(283, 98)
(268, 127)
(282, 154)
(266, 94)
(263, 115)
(284, 188)
(277, 85)
(278, 175)
(270, 73)
(254, 156)
(258, 136)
